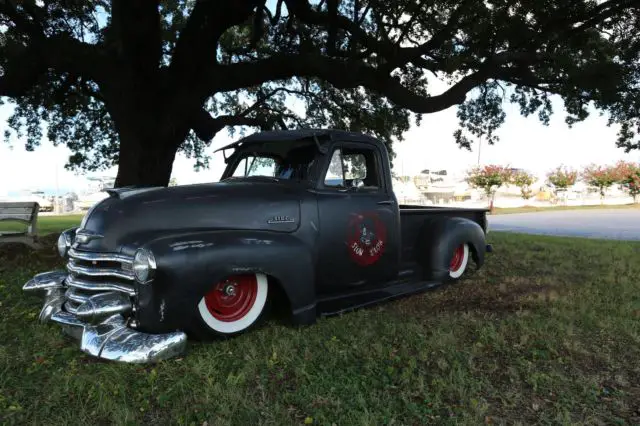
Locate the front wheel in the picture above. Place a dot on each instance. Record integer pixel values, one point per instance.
(459, 261)
(232, 306)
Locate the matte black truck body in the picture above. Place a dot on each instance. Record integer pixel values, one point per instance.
(319, 222)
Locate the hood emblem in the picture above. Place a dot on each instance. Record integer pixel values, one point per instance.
(83, 236)
(281, 219)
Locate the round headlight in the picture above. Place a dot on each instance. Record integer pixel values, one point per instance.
(144, 266)
(64, 242)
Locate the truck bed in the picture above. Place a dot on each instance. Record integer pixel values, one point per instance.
(412, 219)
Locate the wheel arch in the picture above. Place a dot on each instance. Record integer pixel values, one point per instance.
(198, 262)
(440, 236)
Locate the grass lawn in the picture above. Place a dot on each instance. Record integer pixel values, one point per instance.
(46, 224)
(548, 332)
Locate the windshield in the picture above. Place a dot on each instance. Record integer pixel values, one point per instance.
(255, 165)
(293, 164)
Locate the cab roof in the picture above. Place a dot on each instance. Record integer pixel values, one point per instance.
(300, 134)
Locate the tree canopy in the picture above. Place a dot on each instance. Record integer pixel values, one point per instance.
(132, 82)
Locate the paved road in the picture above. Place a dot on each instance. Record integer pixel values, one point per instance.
(609, 224)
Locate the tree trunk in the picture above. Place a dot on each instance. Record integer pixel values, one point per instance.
(492, 196)
(146, 160)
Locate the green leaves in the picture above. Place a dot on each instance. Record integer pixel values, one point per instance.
(489, 178)
(562, 178)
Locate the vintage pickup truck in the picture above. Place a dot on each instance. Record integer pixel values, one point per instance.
(306, 217)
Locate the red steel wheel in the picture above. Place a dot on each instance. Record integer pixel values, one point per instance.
(234, 304)
(459, 261)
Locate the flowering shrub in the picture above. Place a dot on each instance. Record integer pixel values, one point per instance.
(632, 184)
(628, 175)
(523, 180)
(600, 177)
(488, 178)
(562, 178)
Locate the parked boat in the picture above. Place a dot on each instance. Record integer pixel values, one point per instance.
(95, 193)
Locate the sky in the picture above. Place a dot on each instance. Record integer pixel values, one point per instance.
(524, 143)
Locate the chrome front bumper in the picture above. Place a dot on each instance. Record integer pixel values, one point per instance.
(98, 323)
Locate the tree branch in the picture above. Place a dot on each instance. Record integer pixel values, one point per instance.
(605, 10)
(350, 74)
(393, 54)
(22, 22)
(195, 51)
(194, 55)
(60, 53)
(206, 127)
(303, 11)
(273, 19)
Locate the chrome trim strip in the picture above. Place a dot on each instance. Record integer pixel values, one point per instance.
(100, 286)
(74, 295)
(46, 281)
(99, 257)
(104, 305)
(53, 302)
(98, 272)
(71, 307)
(66, 318)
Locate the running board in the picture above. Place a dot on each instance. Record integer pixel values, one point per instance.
(336, 305)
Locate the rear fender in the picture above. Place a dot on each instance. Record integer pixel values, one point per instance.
(189, 265)
(438, 239)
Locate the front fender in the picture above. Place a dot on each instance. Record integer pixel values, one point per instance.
(438, 239)
(190, 264)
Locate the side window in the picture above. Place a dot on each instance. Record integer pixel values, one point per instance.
(335, 173)
(354, 167)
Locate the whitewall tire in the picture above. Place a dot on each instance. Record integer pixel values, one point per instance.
(235, 304)
(459, 261)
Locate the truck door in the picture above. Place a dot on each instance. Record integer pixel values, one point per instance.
(359, 220)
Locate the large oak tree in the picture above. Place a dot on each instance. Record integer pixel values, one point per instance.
(132, 82)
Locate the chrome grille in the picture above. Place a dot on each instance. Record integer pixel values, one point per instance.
(100, 286)
(99, 257)
(77, 296)
(91, 273)
(96, 271)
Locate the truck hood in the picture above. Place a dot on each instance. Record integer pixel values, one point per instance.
(130, 216)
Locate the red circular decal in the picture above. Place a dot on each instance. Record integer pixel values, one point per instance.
(366, 238)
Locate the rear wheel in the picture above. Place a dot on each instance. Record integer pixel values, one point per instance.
(232, 306)
(459, 261)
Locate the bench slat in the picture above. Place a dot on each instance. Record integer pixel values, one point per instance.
(24, 212)
(11, 210)
(29, 204)
(16, 215)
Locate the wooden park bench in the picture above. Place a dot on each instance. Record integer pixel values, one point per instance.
(24, 213)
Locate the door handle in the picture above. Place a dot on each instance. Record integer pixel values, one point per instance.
(386, 202)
